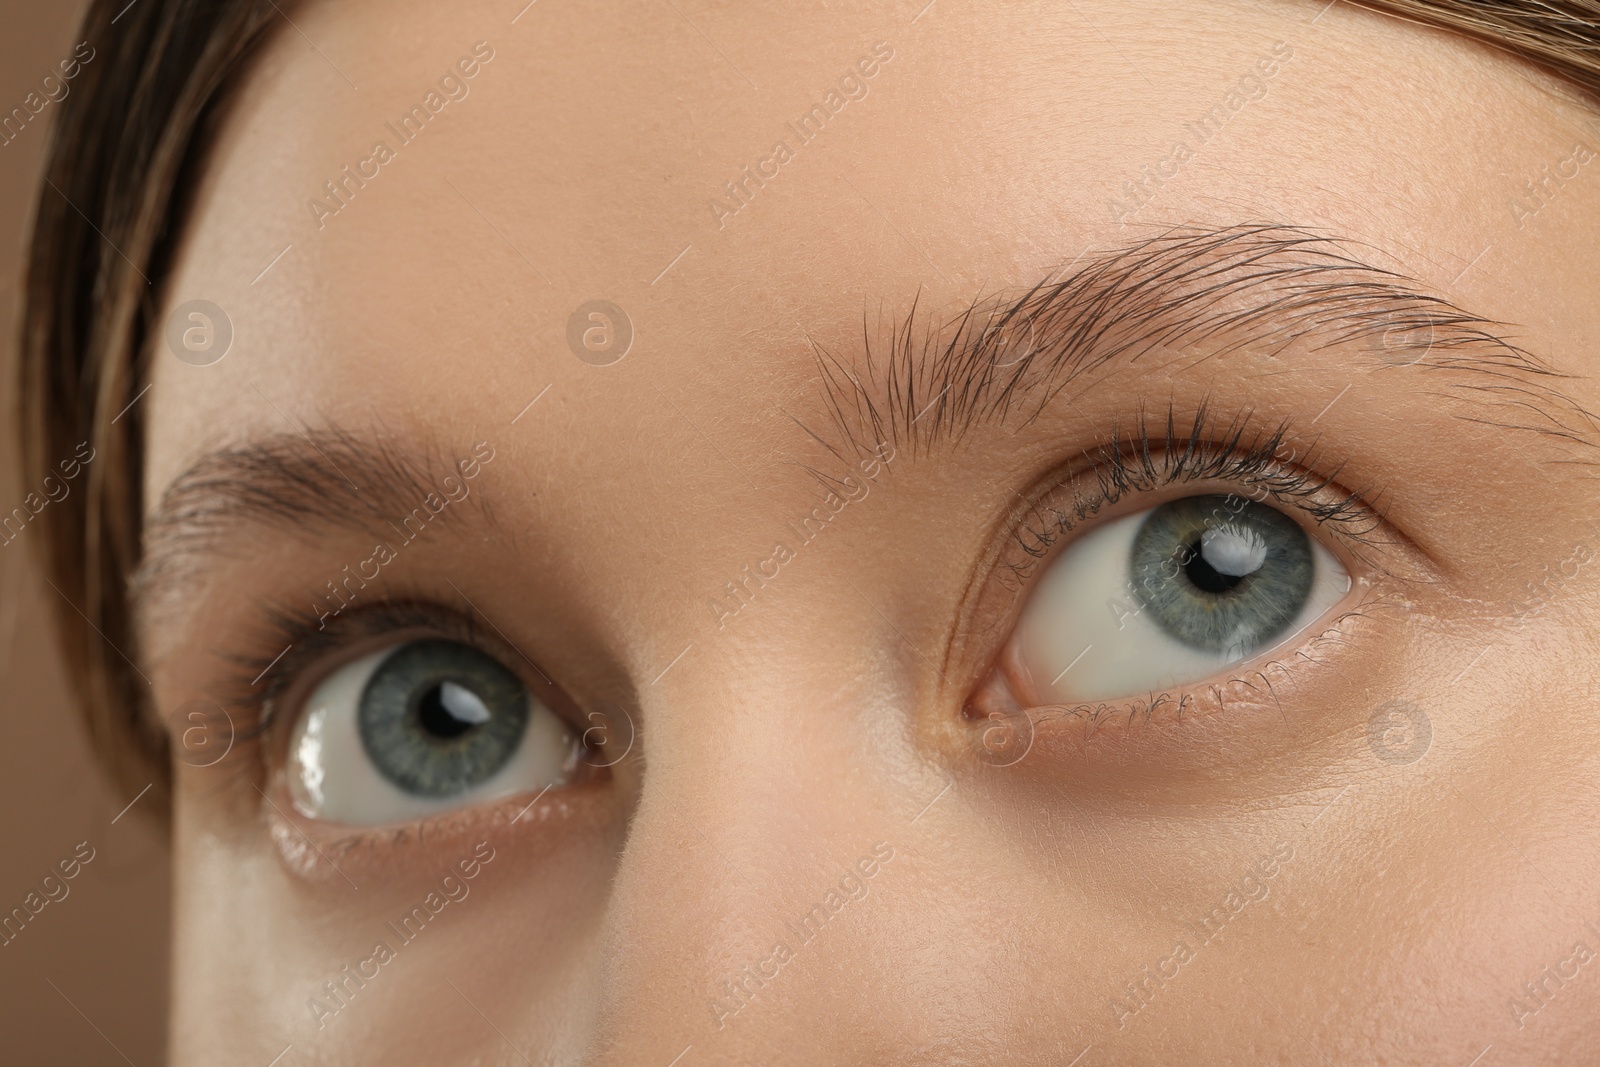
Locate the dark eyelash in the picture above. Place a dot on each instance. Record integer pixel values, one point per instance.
(1153, 455)
(289, 643)
(1148, 457)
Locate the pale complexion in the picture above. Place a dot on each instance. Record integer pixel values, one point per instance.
(1391, 908)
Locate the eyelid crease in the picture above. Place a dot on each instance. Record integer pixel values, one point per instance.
(291, 481)
(287, 645)
(1256, 285)
(1141, 461)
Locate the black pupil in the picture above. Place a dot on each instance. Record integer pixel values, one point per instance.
(1206, 577)
(436, 718)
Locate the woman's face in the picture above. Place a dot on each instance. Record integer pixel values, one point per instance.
(649, 621)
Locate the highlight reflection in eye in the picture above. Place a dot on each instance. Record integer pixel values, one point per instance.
(419, 728)
(1169, 596)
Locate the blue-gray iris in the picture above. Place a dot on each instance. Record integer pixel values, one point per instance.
(438, 717)
(1222, 573)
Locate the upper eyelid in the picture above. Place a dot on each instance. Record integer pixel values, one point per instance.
(1048, 543)
(1135, 501)
(1234, 453)
(298, 482)
(310, 647)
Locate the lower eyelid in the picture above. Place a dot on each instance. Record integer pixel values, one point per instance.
(337, 857)
(1240, 719)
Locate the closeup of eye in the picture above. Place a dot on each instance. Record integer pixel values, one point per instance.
(418, 728)
(1168, 596)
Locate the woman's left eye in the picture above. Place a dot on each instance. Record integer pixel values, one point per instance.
(419, 728)
(1169, 596)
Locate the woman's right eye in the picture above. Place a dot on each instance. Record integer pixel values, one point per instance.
(1168, 597)
(420, 728)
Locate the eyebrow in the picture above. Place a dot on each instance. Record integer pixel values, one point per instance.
(1204, 292)
(295, 482)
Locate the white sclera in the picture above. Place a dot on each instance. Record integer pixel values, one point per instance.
(332, 778)
(1083, 636)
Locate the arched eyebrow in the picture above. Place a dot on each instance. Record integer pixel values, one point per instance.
(1188, 294)
(301, 482)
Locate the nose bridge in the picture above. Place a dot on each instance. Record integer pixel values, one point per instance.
(761, 856)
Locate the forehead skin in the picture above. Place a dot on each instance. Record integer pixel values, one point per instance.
(434, 306)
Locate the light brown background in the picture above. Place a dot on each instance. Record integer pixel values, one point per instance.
(104, 947)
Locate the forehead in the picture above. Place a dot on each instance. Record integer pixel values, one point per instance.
(411, 210)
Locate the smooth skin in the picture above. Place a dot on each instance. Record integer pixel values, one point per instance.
(1407, 903)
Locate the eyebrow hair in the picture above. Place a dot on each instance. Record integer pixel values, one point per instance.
(294, 482)
(1207, 292)
(1268, 286)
